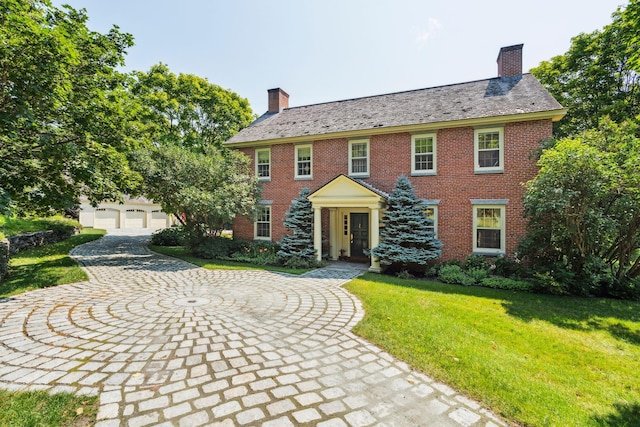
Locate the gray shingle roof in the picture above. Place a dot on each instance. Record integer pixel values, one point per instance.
(479, 99)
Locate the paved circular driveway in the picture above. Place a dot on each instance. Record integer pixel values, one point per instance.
(166, 343)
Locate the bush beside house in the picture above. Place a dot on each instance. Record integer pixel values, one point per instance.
(407, 241)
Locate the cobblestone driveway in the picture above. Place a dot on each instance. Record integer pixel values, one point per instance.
(166, 343)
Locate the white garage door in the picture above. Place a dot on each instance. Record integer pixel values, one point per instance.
(135, 218)
(158, 219)
(107, 218)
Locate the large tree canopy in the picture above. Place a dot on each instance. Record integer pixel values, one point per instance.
(207, 190)
(187, 170)
(188, 110)
(65, 112)
(584, 210)
(599, 75)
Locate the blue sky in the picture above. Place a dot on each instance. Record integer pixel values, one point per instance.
(327, 50)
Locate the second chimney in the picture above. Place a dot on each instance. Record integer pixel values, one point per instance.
(278, 100)
(510, 61)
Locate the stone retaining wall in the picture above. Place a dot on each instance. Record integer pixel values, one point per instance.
(4, 257)
(20, 242)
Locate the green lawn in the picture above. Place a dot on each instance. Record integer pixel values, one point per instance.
(11, 226)
(42, 409)
(36, 268)
(48, 265)
(535, 359)
(182, 253)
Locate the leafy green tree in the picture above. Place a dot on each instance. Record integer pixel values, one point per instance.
(406, 240)
(65, 112)
(188, 110)
(207, 190)
(298, 247)
(584, 210)
(599, 75)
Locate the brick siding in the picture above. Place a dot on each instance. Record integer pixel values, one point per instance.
(455, 183)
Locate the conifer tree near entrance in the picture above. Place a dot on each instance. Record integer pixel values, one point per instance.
(407, 241)
(296, 250)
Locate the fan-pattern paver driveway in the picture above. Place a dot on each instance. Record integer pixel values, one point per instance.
(166, 343)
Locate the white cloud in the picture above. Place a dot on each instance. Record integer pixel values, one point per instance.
(433, 27)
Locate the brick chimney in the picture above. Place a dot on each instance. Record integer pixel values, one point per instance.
(510, 61)
(278, 99)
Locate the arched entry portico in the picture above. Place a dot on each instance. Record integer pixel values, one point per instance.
(354, 218)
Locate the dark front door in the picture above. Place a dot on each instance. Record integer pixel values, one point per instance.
(359, 234)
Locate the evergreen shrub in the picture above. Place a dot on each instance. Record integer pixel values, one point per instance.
(454, 274)
(297, 248)
(407, 241)
(172, 236)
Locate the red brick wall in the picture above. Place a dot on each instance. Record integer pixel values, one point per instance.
(454, 185)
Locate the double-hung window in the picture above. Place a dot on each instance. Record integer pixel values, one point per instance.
(263, 164)
(359, 158)
(423, 154)
(262, 226)
(489, 150)
(304, 162)
(489, 229)
(432, 214)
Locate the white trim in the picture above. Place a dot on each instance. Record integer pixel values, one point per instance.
(503, 229)
(368, 158)
(255, 223)
(488, 169)
(257, 152)
(295, 161)
(432, 171)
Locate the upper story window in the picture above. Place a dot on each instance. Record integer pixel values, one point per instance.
(489, 150)
(304, 162)
(263, 164)
(423, 154)
(489, 229)
(262, 226)
(359, 158)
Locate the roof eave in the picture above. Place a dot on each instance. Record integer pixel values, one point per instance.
(554, 115)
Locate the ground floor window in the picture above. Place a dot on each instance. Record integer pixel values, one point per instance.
(263, 223)
(488, 229)
(432, 214)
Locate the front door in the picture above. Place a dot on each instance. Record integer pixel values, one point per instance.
(359, 234)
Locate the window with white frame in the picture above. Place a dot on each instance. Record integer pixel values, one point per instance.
(359, 158)
(423, 154)
(432, 214)
(489, 150)
(263, 164)
(262, 226)
(304, 162)
(488, 229)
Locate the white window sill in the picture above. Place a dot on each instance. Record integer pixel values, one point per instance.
(488, 252)
(487, 171)
(423, 173)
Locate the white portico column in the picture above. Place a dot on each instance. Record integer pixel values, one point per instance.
(317, 231)
(375, 238)
(333, 250)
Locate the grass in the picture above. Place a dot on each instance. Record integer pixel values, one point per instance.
(535, 359)
(45, 266)
(10, 226)
(42, 409)
(182, 253)
(33, 269)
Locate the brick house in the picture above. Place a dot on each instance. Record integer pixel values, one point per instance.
(465, 147)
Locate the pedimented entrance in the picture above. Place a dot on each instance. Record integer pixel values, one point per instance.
(354, 219)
